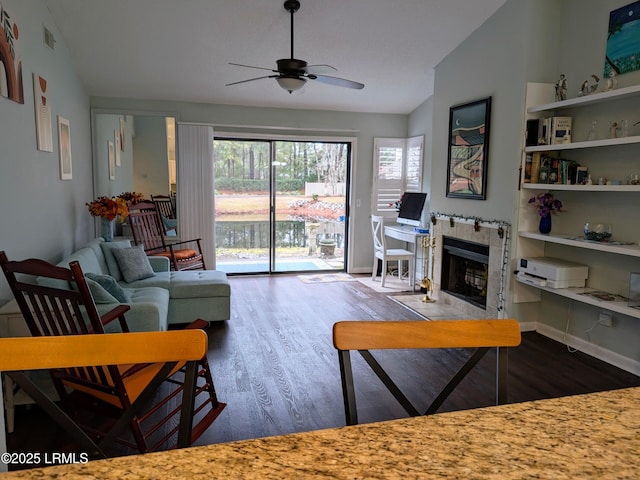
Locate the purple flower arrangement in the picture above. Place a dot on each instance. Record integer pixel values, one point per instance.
(546, 204)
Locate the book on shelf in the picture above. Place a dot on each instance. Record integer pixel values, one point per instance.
(527, 167)
(535, 167)
(560, 130)
(568, 170)
(554, 171)
(582, 175)
(543, 175)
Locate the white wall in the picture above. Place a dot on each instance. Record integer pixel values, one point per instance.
(104, 130)
(43, 216)
(151, 170)
(363, 126)
(527, 41)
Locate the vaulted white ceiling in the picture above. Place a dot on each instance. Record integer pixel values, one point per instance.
(181, 49)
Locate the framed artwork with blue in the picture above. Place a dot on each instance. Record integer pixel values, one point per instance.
(623, 40)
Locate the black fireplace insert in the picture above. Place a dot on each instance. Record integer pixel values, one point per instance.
(465, 267)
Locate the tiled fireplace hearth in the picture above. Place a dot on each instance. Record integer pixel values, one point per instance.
(472, 263)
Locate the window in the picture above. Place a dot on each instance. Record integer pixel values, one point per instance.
(397, 169)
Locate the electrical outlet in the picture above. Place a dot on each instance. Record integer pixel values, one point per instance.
(605, 319)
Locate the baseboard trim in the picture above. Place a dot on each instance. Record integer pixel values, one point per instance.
(613, 358)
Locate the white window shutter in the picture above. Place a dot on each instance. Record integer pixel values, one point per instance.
(388, 174)
(413, 170)
(397, 168)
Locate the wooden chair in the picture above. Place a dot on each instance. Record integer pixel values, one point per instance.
(59, 303)
(164, 204)
(383, 335)
(22, 354)
(381, 252)
(147, 229)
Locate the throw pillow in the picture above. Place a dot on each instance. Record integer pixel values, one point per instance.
(110, 285)
(134, 263)
(99, 294)
(112, 264)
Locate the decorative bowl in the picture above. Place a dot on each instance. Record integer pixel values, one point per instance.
(600, 232)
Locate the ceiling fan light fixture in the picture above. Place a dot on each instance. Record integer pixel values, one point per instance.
(290, 83)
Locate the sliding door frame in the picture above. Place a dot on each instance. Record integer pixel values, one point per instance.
(224, 134)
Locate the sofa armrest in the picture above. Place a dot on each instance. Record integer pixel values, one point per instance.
(159, 264)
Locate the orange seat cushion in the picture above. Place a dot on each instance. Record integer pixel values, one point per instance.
(134, 384)
(184, 254)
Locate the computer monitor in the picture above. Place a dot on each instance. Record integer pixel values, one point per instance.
(411, 208)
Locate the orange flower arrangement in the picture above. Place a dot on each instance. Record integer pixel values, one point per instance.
(109, 208)
(132, 197)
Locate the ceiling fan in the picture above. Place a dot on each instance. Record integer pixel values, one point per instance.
(292, 74)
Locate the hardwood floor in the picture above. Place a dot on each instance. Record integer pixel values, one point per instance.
(275, 366)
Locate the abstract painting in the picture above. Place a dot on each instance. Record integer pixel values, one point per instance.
(468, 149)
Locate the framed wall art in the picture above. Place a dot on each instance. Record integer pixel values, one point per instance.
(623, 40)
(112, 160)
(468, 149)
(117, 141)
(10, 58)
(64, 144)
(44, 133)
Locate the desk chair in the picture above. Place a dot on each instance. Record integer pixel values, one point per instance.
(57, 301)
(148, 230)
(381, 252)
(384, 335)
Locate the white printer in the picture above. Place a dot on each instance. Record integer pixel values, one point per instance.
(552, 272)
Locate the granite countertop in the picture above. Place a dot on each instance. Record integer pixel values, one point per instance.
(584, 436)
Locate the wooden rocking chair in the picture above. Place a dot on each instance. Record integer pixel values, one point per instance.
(56, 301)
(148, 230)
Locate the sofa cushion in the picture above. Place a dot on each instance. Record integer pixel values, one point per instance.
(134, 263)
(149, 310)
(95, 245)
(99, 293)
(112, 264)
(108, 283)
(199, 283)
(88, 263)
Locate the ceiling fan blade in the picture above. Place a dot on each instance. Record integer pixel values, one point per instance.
(339, 82)
(251, 80)
(319, 69)
(251, 66)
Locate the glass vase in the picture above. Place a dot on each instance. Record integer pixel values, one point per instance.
(545, 224)
(106, 229)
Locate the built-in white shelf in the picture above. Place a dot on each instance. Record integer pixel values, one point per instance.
(576, 294)
(581, 188)
(632, 250)
(607, 142)
(592, 99)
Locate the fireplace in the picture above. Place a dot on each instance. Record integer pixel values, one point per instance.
(465, 270)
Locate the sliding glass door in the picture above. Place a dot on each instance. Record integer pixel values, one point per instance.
(280, 205)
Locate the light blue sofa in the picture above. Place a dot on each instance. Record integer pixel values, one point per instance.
(164, 299)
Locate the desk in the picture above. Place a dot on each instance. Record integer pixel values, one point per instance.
(407, 234)
(584, 436)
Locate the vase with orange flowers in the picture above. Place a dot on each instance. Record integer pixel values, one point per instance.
(131, 198)
(108, 208)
